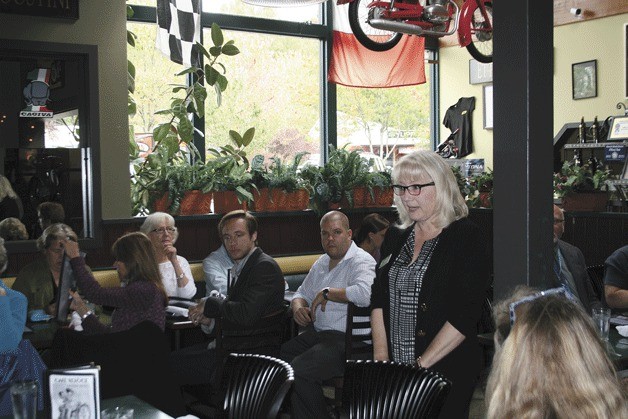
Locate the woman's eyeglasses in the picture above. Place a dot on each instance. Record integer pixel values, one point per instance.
(163, 230)
(513, 306)
(413, 190)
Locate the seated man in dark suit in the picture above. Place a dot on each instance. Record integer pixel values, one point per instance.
(570, 267)
(251, 315)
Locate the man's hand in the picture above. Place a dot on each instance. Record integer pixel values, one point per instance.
(302, 316)
(195, 314)
(319, 300)
(2, 292)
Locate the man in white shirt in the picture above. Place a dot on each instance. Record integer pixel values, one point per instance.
(216, 267)
(343, 274)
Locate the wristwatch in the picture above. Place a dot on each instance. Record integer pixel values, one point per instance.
(326, 293)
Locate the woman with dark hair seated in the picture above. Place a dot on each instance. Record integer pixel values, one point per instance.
(370, 235)
(141, 296)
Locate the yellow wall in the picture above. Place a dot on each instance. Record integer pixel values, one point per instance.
(599, 39)
(101, 23)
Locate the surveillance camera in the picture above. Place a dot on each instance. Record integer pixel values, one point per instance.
(575, 11)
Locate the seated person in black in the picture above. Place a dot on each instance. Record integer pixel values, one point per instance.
(251, 315)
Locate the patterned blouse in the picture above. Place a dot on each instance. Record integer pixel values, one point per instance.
(406, 278)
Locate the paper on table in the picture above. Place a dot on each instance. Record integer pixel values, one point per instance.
(177, 311)
(619, 319)
(623, 330)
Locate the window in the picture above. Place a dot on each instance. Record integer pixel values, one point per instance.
(277, 85)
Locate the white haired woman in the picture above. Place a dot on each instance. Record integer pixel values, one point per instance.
(175, 271)
(431, 281)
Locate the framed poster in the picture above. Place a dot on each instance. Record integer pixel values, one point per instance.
(488, 106)
(619, 129)
(584, 79)
(480, 72)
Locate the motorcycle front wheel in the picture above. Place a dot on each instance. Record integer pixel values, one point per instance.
(372, 38)
(481, 46)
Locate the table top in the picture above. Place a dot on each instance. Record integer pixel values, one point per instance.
(617, 346)
(141, 409)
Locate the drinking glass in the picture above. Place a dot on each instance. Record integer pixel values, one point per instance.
(24, 399)
(602, 320)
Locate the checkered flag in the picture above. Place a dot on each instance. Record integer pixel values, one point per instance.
(179, 29)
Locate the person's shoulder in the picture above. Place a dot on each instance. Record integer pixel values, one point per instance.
(36, 264)
(568, 247)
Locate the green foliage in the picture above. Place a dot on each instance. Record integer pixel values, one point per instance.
(279, 174)
(574, 178)
(168, 166)
(478, 186)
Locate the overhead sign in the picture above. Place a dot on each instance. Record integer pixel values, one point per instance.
(66, 9)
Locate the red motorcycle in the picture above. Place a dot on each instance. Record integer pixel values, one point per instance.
(379, 24)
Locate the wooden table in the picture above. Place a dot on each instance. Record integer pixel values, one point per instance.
(617, 347)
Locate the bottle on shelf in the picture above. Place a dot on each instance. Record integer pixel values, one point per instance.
(582, 131)
(594, 130)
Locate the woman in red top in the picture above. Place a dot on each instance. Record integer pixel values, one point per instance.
(141, 296)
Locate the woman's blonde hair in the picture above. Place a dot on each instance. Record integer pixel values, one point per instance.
(450, 205)
(552, 364)
(6, 189)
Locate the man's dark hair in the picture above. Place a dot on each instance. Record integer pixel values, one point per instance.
(251, 221)
(51, 213)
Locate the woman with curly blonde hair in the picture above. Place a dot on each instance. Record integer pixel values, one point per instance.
(549, 362)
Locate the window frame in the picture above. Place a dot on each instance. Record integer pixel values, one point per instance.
(322, 31)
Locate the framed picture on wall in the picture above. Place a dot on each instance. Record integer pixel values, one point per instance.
(480, 72)
(584, 79)
(619, 129)
(488, 106)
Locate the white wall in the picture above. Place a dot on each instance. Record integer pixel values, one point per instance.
(599, 39)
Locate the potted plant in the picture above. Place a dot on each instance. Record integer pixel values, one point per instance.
(380, 193)
(462, 181)
(580, 188)
(280, 187)
(481, 190)
(231, 180)
(151, 176)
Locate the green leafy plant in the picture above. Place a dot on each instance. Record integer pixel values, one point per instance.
(173, 140)
(574, 178)
(481, 190)
(230, 166)
(462, 181)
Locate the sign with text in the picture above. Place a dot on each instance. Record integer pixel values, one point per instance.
(615, 153)
(66, 9)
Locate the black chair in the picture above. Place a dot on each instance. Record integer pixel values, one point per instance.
(254, 386)
(358, 345)
(596, 275)
(381, 390)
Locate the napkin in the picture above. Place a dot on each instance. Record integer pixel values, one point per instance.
(623, 330)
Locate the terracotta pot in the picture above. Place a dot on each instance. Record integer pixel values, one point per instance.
(297, 200)
(226, 201)
(383, 197)
(361, 196)
(586, 201)
(485, 200)
(162, 204)
(195, 202)
(261, 200)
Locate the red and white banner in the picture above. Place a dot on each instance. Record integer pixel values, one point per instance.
(357, 66)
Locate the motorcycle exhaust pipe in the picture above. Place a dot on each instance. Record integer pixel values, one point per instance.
(411, 29)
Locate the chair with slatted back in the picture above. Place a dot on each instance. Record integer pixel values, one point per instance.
(358, 343)
(378, 390)
(596, 275)
(254, 385)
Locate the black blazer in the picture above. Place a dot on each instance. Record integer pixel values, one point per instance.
(252, 315)
(453, 290)
(574, 259)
